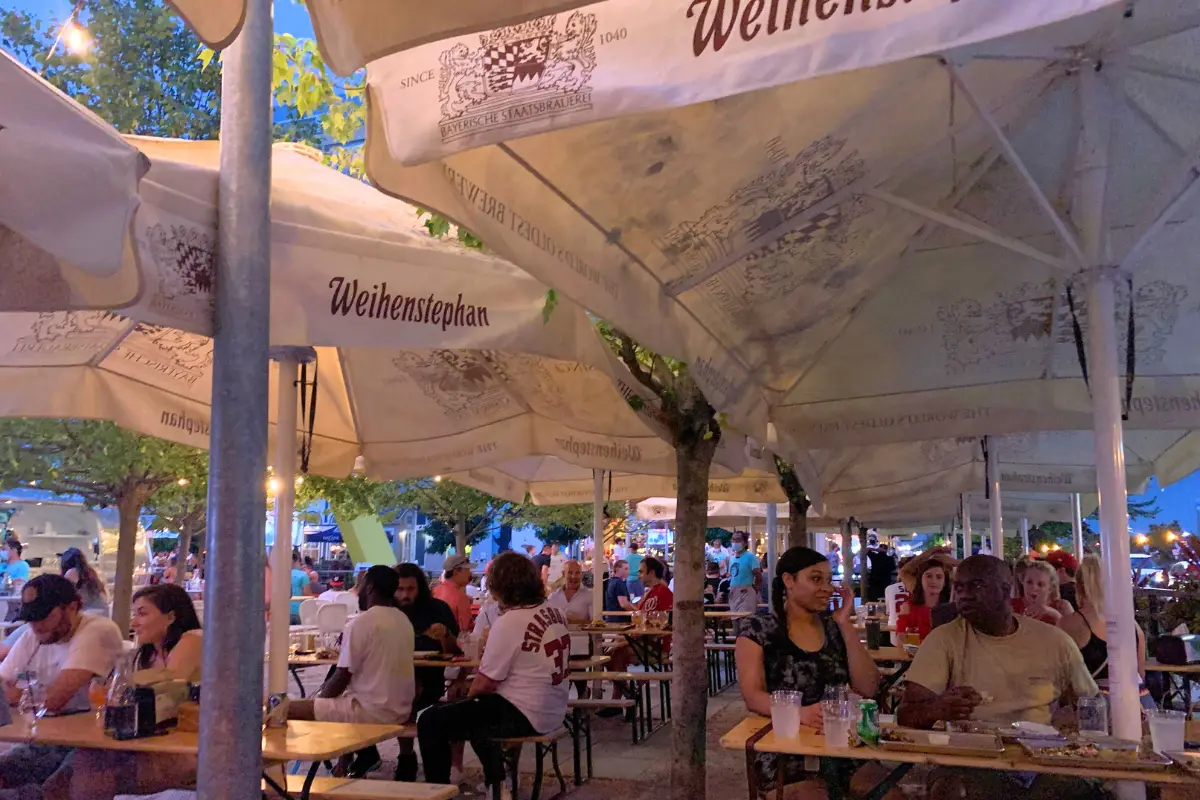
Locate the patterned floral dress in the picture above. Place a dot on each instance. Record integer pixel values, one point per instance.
(788, 668)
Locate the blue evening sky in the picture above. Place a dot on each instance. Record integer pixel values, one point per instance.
(1177, 502)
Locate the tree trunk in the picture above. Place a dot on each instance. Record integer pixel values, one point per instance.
(129, 509)
(690, 682)
(460, 535)
(181, 554)
(797, 526)
(864, 563)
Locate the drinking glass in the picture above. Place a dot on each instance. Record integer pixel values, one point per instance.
(837, 692)
(785, 713)
(638, 619)
(839, 717)
(1093, 716)
(97, 694)
(1166, 730)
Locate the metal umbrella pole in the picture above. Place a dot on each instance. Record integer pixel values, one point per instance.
(772, 546)
(1106, 405)
(995, 517)
(597, 544)
(231, 704)
(287, 396)
(1024, 535)
(1076, 526)
(965, 504)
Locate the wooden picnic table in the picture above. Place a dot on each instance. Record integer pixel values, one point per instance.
(310, 742)
(754, 735)
(1185, 673)
(890, 654)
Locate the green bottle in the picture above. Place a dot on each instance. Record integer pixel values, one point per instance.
(868, 724)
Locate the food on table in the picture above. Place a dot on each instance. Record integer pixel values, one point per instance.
(326, 653)
(1098, 751)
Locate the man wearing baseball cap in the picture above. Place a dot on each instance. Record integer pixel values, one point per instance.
(66, 649)
(452, 589)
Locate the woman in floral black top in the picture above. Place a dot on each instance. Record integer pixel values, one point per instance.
(801, 647)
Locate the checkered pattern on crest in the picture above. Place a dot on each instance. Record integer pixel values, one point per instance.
(501, 64)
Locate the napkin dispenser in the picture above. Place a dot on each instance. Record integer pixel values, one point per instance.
(1178, 650)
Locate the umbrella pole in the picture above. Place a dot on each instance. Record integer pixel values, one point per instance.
(231, 703)
(1076, 526)
(772, 546)
(995, 517)
(597, 544)
(1106, 409)
(1024, 535)
(287, 396)
(965, 504)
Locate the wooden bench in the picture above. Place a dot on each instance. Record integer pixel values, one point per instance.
(363, 789)
(579, 723)
(643, 721)
(542, 744)
(722, 668)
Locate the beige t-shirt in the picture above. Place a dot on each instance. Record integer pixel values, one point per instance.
(1023, 675)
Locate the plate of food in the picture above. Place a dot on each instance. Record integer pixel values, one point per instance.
(1010, 731)
(1092, 753)
(978, 745)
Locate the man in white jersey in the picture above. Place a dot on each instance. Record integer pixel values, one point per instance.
(521, 687)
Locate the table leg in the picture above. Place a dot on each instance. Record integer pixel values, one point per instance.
(308, 782)
(751, 768)
(275, 787)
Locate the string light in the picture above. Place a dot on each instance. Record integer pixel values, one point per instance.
(1171, 536)
(437, 478)
(273, 486)
(182, 482)
(1141, 539)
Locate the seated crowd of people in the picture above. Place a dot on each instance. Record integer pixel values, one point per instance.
(520, 688)
(996, 644)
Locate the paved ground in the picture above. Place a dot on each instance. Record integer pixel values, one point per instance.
(623, 770)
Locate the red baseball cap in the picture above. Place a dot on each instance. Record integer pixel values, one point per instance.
(1061, 558)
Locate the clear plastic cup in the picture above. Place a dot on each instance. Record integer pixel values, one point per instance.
(1166, 730)
(1093, 716)
(785, 714)
(838, 718)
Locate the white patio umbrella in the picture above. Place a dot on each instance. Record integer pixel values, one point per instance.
(61, 250)
(946, 216)
(904, 474)
(353, 32)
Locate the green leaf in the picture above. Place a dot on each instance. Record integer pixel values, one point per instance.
(549, 305)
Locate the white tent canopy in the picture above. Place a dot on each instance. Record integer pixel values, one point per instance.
(61, 249)
(908, 473)
(480, 377)
(553, 481)
(902, 216)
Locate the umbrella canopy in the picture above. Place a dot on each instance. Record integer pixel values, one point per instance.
(905, 475)
(59, 249)
(353, 32)
(431, 357)
(551, 481)
(911, 214)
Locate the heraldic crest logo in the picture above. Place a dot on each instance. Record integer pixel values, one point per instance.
(534, 70)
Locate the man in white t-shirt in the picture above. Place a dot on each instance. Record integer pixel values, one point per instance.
(575, 600)
(66, 649)
(373, 681)
(521, 688)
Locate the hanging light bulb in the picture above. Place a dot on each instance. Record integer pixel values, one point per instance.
(182, 482)
(437, 478)
(273, 486)
(299, 481)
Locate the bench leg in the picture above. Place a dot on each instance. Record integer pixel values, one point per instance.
(299, 684)
(576, 732)
(562, 784)
(587, 721)
(539, 753)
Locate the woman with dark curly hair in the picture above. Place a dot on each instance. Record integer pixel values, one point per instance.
(73, 565)
(521, 686)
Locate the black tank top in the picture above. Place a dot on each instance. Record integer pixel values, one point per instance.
(1095, 655)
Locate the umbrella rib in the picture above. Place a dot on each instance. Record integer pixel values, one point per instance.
(865, 183)
(1142, 113)
(613, 238)
(112, 346)
(1014, 158)
(1149, 66)
(1190, 167)
(984, 232)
